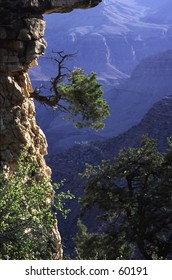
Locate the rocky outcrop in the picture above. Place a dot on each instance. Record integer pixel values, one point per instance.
(47, 6)
(21, 43)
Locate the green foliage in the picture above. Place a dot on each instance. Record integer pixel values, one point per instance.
(76, 94)
(89, 243)
(83, 96)
(26, 216)
(134, 195)
(60, 199)
(100, 246)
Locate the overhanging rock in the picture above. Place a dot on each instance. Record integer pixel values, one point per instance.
(21, 43)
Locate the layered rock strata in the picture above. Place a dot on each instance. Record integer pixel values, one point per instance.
(21, 43)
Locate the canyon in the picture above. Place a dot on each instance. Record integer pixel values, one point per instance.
(128, 45)
(114, 39)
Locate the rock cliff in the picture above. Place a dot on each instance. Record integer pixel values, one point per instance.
(21, 43)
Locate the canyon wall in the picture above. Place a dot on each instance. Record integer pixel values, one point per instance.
(21, 43)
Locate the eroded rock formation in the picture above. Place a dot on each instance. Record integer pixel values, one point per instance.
(21, 43)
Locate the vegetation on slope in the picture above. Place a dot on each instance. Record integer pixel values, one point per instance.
(27, 204)
(134, 196)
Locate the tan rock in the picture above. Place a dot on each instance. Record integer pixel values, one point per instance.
(21, 43)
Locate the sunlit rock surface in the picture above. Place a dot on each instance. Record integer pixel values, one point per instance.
(21, 43)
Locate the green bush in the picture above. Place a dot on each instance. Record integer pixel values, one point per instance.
(26, 212)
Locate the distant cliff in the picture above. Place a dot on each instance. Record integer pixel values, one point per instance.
(157, 16)
(110, 39)
(150, 81)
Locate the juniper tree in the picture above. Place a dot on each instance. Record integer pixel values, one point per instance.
(75, 93)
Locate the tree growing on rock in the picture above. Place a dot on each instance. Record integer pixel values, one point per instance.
(76, 94)
(26, 219)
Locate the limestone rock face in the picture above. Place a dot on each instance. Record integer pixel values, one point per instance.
(21, 43)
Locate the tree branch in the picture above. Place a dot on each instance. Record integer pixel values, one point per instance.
(53, 100)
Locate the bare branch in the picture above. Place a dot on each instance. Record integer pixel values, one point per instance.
(53, 100)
